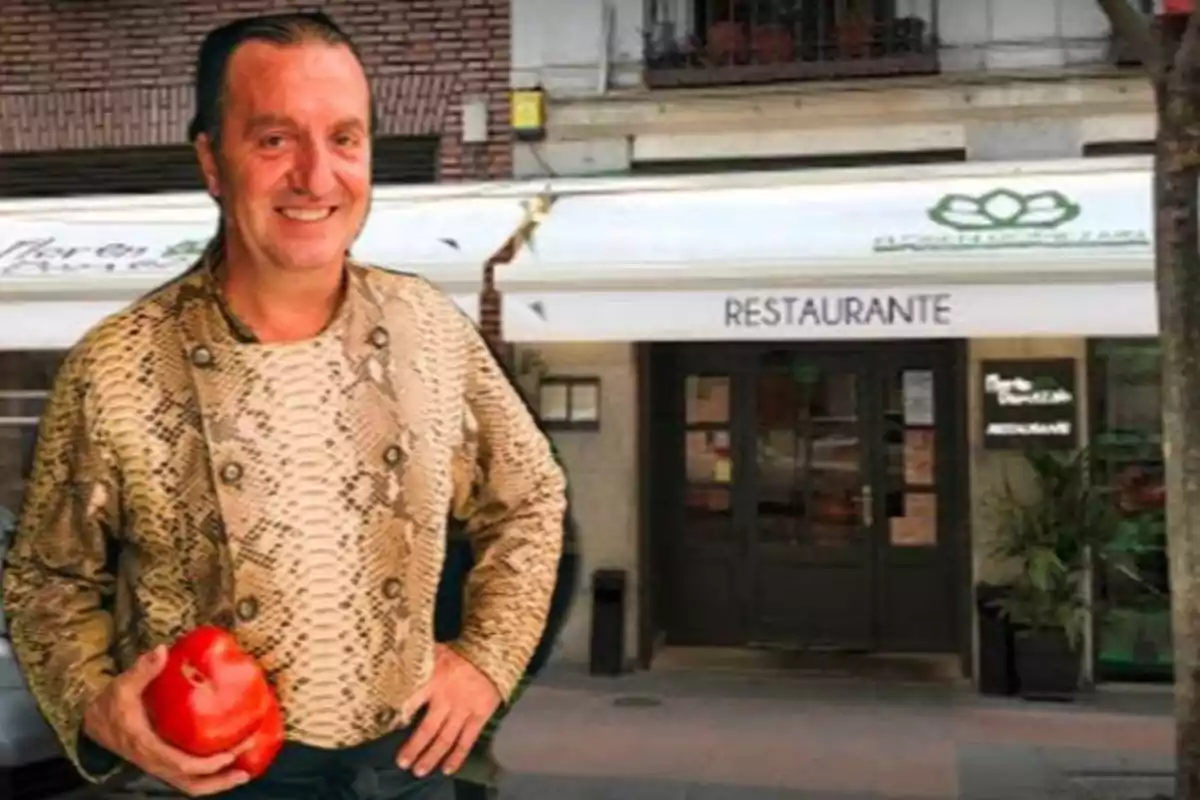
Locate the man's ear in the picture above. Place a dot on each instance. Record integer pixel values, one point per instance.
(208, 164)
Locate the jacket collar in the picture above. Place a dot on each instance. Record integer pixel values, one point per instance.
(207, 323)
(203, 279)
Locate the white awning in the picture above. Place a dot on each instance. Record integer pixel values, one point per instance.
(962, 250)
(65, 263)
(57, 324)
(819, 314)
(50, 324)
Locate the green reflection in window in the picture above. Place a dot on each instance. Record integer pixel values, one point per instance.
(1134, 637)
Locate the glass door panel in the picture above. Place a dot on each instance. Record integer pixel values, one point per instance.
(708, 458)
(910, 438)
(809, 454)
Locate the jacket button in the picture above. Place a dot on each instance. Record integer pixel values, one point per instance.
(247, 609)
(379, 337)
(391, 588)
(384, 716)
(231, 472)
(202, 356)
(392, 455)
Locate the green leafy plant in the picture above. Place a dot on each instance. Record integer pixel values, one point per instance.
(1047, 531)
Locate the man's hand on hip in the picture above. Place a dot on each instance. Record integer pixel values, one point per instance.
(117, 721)
(458, 701)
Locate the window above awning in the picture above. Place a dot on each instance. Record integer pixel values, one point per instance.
(972, 223)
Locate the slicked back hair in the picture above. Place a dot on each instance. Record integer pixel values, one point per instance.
(218, 47)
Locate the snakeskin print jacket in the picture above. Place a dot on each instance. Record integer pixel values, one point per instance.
(145, 480)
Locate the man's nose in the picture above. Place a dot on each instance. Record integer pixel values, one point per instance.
(313, 173)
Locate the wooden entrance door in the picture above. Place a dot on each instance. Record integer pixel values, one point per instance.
(815, 504)
(920, 471)
(702, 512)
(808, 478)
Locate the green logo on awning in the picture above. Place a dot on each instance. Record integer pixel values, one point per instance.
(1004, 219)
(1004, 209)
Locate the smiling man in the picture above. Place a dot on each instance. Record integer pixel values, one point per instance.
(273, 443)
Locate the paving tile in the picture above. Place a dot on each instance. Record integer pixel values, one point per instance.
(1003, 772)
(543, 787)
(1122, 787)
(706, 737)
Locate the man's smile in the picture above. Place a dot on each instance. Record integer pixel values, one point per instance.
(308, 214)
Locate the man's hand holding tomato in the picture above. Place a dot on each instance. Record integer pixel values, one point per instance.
(117, 721)
(458, 700)
(199, 716)
(212, 697)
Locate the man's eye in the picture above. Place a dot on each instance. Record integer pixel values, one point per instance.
(346, 140)
(273, 140)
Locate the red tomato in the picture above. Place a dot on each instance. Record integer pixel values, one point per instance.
(211, 696)
(267, 741)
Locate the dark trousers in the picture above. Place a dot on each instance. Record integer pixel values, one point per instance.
(474, 791)
(302, 772)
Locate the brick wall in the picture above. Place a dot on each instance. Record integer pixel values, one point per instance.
(78, 74)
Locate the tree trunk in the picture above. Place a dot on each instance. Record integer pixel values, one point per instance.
(1177, 274)
(1169, 48)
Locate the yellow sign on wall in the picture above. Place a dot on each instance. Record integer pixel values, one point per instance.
(528, 112)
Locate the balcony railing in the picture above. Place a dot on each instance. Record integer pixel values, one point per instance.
(722, 42)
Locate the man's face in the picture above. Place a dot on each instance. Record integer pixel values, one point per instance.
(293, 166)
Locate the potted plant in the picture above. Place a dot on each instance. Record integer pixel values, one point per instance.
(1046, 532)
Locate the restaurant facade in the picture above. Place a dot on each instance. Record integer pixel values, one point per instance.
(790, 400)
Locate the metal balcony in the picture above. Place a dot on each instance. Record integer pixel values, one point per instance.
(727, 42)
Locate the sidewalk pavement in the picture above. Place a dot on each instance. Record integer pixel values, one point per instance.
(708, 736)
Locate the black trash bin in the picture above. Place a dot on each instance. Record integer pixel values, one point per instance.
(608, 622)
(997, 652)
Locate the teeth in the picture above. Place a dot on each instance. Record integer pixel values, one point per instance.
(306, 214)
